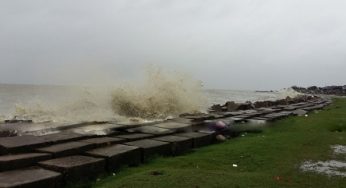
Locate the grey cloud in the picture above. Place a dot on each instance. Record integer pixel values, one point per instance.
(227, 44)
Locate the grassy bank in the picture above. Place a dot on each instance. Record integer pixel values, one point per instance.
(268, 159)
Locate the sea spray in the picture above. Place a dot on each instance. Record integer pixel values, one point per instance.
(163, 94)
(160, 95)
(82, 104)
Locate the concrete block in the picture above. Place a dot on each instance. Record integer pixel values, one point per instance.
(199, 139)
(135, 136)
(76, 168)
(18, 144)
(179, 145)
(65, 149)
(32, 177)
(152, 130)
(10, 162)
(103, 141)
(118, 155)
(150, 148)
(98, 129)
(174, 126)
(62, 137)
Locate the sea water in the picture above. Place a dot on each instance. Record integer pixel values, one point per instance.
(43, 103)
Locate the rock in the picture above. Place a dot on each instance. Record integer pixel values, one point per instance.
(220, 138)
(262, 104)
(8, 133)
(18, 121)
(231, 106)
(216, 108)
(299, 112)
(246, 106)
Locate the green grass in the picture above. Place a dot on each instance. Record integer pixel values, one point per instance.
(268, 159)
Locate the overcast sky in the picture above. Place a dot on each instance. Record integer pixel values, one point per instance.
(266, 44)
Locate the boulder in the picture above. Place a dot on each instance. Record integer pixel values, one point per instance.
(246, 106)
(231, 106)
(299, 112)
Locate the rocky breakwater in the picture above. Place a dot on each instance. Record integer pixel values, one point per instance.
(231, 106)
(327, 90)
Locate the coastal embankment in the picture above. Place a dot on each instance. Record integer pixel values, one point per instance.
(71, 151)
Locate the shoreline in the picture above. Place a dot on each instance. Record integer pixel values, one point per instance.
(86, 143)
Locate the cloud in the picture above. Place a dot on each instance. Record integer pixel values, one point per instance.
(240, 44)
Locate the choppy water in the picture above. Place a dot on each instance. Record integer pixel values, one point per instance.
(71, 104)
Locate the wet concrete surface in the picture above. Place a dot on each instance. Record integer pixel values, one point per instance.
(198, 139)
(135, 136)
(11, 162)
(118, 155)
(66, 149)
(103, 141)
(32, 177)
(179, 144)
(76, 168)
(154, 130)
(150, 148)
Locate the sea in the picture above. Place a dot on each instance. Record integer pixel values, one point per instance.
(48, 103)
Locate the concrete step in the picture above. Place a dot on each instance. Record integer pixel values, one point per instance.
(198, 117)
(152, 130)
(28, 143)
(199, 139)
(30, 177)
(103, 141)
(18, 144)
(174, 126)
(135, 136)
(179, 145)
(150, 148)
(98, 129)
(183, 120)
(118, 155)
(316, 107)
(65, 149)
(76, 168)
(62, 137)
(11, 162)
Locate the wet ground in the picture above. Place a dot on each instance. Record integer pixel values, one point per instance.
(333, 167)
